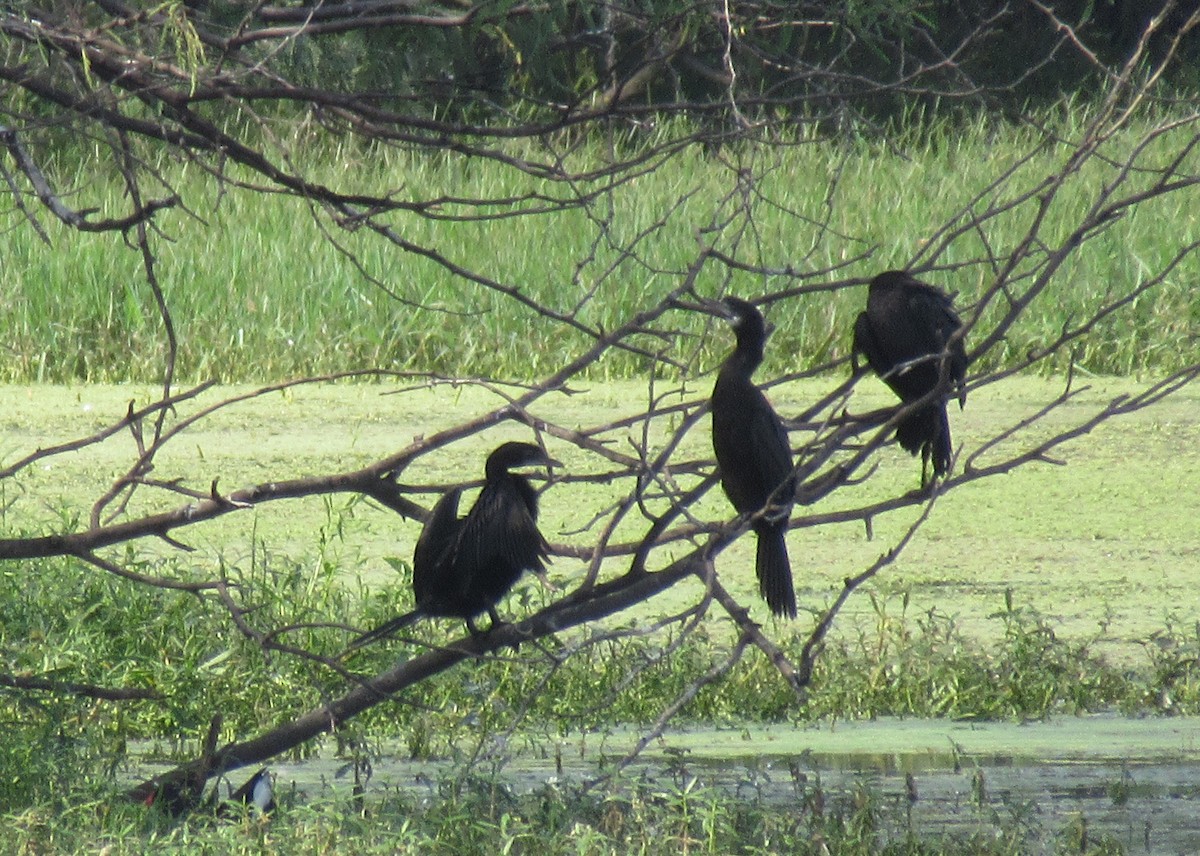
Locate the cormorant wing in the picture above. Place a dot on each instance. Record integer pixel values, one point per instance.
(866, 344)
(520, 543)
(752, 446)
(499, 539)
(933, 311)
(769, 436)
(439, 534)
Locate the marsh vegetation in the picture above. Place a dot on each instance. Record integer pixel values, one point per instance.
(259, 299)
(277, 277)
(1007, 617)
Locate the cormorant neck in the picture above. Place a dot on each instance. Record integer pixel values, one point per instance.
(748, 354)
(495, 471)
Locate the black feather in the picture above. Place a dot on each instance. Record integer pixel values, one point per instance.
(753, 455)
(462, 567)
(905, 334)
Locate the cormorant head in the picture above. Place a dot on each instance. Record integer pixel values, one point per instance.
(890, 279)
(514, 454)
(747, 323)
(741, 313)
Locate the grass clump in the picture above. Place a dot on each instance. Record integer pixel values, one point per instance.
(258, 293)
(65, 622)
(481, 815)
(925, 667)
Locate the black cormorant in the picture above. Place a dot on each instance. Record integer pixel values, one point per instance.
(753, 455)
(462, 567)
(903, 333)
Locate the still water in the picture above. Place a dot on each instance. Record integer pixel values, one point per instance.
(1137, 780)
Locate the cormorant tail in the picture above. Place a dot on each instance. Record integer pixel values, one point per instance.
(927, 433)
(942, 449)
(384, 630)
(775, 571)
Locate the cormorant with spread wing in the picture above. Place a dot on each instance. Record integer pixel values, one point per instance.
(462, 567)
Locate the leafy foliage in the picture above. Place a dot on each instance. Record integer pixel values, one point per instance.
(100, 633)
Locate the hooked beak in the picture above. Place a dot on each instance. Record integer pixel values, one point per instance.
(717, 308)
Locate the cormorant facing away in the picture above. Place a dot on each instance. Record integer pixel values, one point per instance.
(904, 333)
(463, 566)
(753, 455)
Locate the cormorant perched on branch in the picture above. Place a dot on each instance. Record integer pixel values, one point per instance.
(904, 334)
(462, 567)
(753, 455)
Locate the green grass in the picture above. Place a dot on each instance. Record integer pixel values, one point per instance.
(1051, 591)
(72, 628)
(484, 816)
(999, 610)
(258, 293)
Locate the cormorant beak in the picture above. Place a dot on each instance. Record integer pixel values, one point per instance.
(717, 308)
(689, 306)
(546, 461)
(722, 310)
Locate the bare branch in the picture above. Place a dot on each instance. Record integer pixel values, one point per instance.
(77, 219)
(224, 100)
(21, 682)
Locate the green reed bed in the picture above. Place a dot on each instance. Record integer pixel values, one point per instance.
(60, 767)
(482, 815)
(105, 633)
(258, 292)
